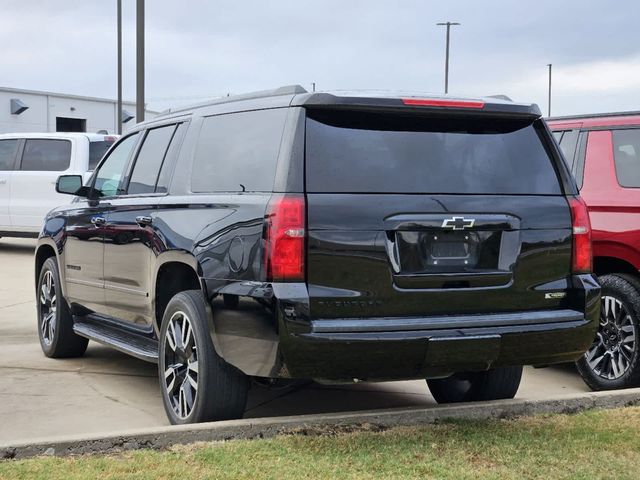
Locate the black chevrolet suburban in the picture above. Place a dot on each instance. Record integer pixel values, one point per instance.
(339, 237)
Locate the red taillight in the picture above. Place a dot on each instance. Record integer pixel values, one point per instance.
(437, 102)
(582, 257)
(284, 236)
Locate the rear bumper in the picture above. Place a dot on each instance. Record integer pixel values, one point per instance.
(272, 334)
(432, 351)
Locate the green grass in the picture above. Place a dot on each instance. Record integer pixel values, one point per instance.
(590, 445)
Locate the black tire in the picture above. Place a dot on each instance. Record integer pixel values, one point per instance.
(55, 323)
(222, 389)
(494, 384)
(599, 374)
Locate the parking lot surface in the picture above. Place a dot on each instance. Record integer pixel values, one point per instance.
(107, 391)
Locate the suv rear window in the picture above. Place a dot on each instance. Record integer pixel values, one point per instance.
(351, 152)
(97, 151)
(626, 152)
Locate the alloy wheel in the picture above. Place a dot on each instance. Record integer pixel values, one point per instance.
(613, 350)
(48, 307)
(181, 365)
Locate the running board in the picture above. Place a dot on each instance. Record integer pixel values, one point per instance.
(122, 339)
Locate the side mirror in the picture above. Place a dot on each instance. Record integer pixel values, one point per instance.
(71, 185)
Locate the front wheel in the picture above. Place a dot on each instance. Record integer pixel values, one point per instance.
(495, 384)
(613, 360)
(197, 385)
(55, 323)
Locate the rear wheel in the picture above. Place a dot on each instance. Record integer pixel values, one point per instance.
(613, 359)
(197, 385)
(55, 323)
(494, 384)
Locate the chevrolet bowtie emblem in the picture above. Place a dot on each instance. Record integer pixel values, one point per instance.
(458, 223)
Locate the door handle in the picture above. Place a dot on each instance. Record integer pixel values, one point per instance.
(3, 181)
(98, 221)
(144, 221)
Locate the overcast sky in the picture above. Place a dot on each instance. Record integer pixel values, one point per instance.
(198, 49)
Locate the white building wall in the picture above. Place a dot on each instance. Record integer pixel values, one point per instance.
(45, 107)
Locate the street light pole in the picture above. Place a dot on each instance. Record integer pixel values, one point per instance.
(446, 60)
(549, 100)
(119, 109)
(140, 61)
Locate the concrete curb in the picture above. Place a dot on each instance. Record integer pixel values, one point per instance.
(163, 437)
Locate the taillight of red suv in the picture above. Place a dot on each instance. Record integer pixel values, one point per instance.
(284, 235)
(582, 255)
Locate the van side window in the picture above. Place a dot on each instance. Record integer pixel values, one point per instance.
(109, 176)
(8, 151)
(626, 152)
(238, 152)
(45, 155)
(150, 159)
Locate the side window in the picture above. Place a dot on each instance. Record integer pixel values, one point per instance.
(97, 151)
(568, 145)
(166, 170)
(578, 164)
(150, 159)
(109, 176)
(238, 152)
(44, 155)
(626, 152)
(8, 151)
(558, 136)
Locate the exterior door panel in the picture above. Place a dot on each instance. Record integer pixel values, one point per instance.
(84, 258)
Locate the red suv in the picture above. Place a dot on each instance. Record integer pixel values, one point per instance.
(603, 152)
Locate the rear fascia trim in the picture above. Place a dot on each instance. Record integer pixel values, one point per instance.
(326, 100)
(355, 325)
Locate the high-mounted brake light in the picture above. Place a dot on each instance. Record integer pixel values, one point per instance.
(284, 235)
(438, 102)
(582, 255)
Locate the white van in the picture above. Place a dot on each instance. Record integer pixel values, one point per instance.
(30, 164)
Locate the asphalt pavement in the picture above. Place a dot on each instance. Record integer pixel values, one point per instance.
(107, 391)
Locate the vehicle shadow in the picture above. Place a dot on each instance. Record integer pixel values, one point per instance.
(17, 246)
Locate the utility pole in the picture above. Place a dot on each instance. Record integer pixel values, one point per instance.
(314, 86)
(446, 61)
(119, 109)
(140, 61)
(549, 104)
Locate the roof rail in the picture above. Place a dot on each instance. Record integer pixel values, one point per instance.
(286, 90)
(596, 115)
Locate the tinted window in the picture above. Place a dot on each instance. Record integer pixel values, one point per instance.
(362, 152)
(109, 176)
(238, 150)
(97, 151)
(8, 150)
(150, 158)
(46, 155)
(626, 151)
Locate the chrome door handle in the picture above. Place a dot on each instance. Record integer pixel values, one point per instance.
(144, 221)
(98, 221)
(3, 181)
